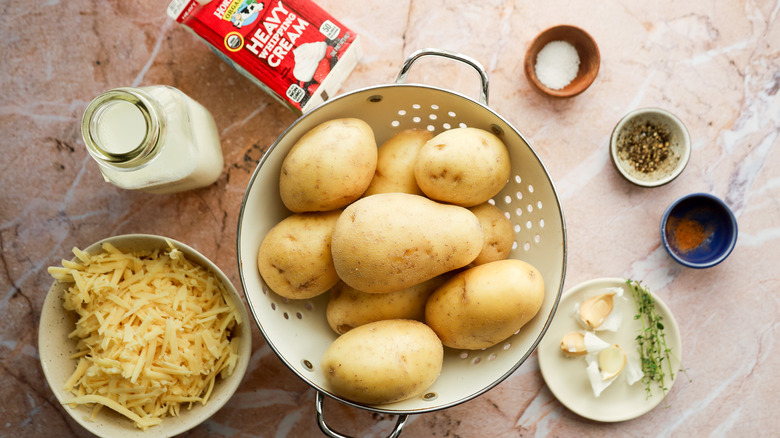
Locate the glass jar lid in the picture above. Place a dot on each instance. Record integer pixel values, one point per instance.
(121, 128)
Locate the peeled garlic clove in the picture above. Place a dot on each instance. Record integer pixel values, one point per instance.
(573, 344)
(595, 310)
(612, 360)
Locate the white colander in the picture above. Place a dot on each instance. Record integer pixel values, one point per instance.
(298, 331)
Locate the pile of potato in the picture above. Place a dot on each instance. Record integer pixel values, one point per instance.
(403, 238)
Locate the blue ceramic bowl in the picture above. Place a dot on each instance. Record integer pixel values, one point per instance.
(699, 230)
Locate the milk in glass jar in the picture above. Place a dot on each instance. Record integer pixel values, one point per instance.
(155, 139)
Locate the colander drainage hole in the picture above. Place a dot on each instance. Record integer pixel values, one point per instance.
(464, 355)
(308, 365)
(431, 396)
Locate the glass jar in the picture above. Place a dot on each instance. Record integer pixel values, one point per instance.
(155, 139)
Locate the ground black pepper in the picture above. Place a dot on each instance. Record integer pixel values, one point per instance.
(644, 145)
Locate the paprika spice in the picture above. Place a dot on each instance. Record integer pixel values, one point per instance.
(688, 233)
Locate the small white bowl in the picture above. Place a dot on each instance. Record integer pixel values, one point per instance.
(679, 147)
(55, 349)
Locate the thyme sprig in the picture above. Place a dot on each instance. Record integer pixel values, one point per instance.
(654, 352)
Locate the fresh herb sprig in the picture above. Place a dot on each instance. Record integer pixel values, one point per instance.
(654, 352)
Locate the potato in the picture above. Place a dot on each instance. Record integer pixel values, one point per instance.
(349, 308)
(383, 362)
(395, 163)
(462, 166)
(499, 233)
(294, 258)
(391, 241)
(328, 167)
(486, 304)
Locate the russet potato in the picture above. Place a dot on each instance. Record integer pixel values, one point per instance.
(329, 166)
(294, 257)
(349, 308)
(486, 304)
(383, 362)
(390, 241)
(395, 163)
(499, 233)
(462, 166)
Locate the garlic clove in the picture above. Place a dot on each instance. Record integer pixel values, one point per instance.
(611, 360)
(595, 310)
(573, 344)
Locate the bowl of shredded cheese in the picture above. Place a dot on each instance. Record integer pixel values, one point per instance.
(142, 335)
(563, 61)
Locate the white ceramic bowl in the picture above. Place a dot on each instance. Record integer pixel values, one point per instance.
(679, 147)
(55, 350)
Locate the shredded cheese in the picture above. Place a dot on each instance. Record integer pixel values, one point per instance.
(154, 331)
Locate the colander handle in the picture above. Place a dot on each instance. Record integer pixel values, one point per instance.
(473, 63)
(333, 434)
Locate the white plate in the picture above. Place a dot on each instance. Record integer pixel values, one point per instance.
(566, 377)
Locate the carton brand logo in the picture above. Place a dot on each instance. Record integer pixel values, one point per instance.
(239, 12)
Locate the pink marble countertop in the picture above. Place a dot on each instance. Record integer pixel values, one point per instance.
(715, 64)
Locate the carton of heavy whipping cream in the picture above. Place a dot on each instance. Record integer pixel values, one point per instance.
(292, 49)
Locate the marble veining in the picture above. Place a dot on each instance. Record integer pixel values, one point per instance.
(713, 63)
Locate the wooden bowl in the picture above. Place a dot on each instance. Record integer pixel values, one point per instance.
(587, 50)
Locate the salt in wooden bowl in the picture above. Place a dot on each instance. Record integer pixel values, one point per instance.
(589, 58)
